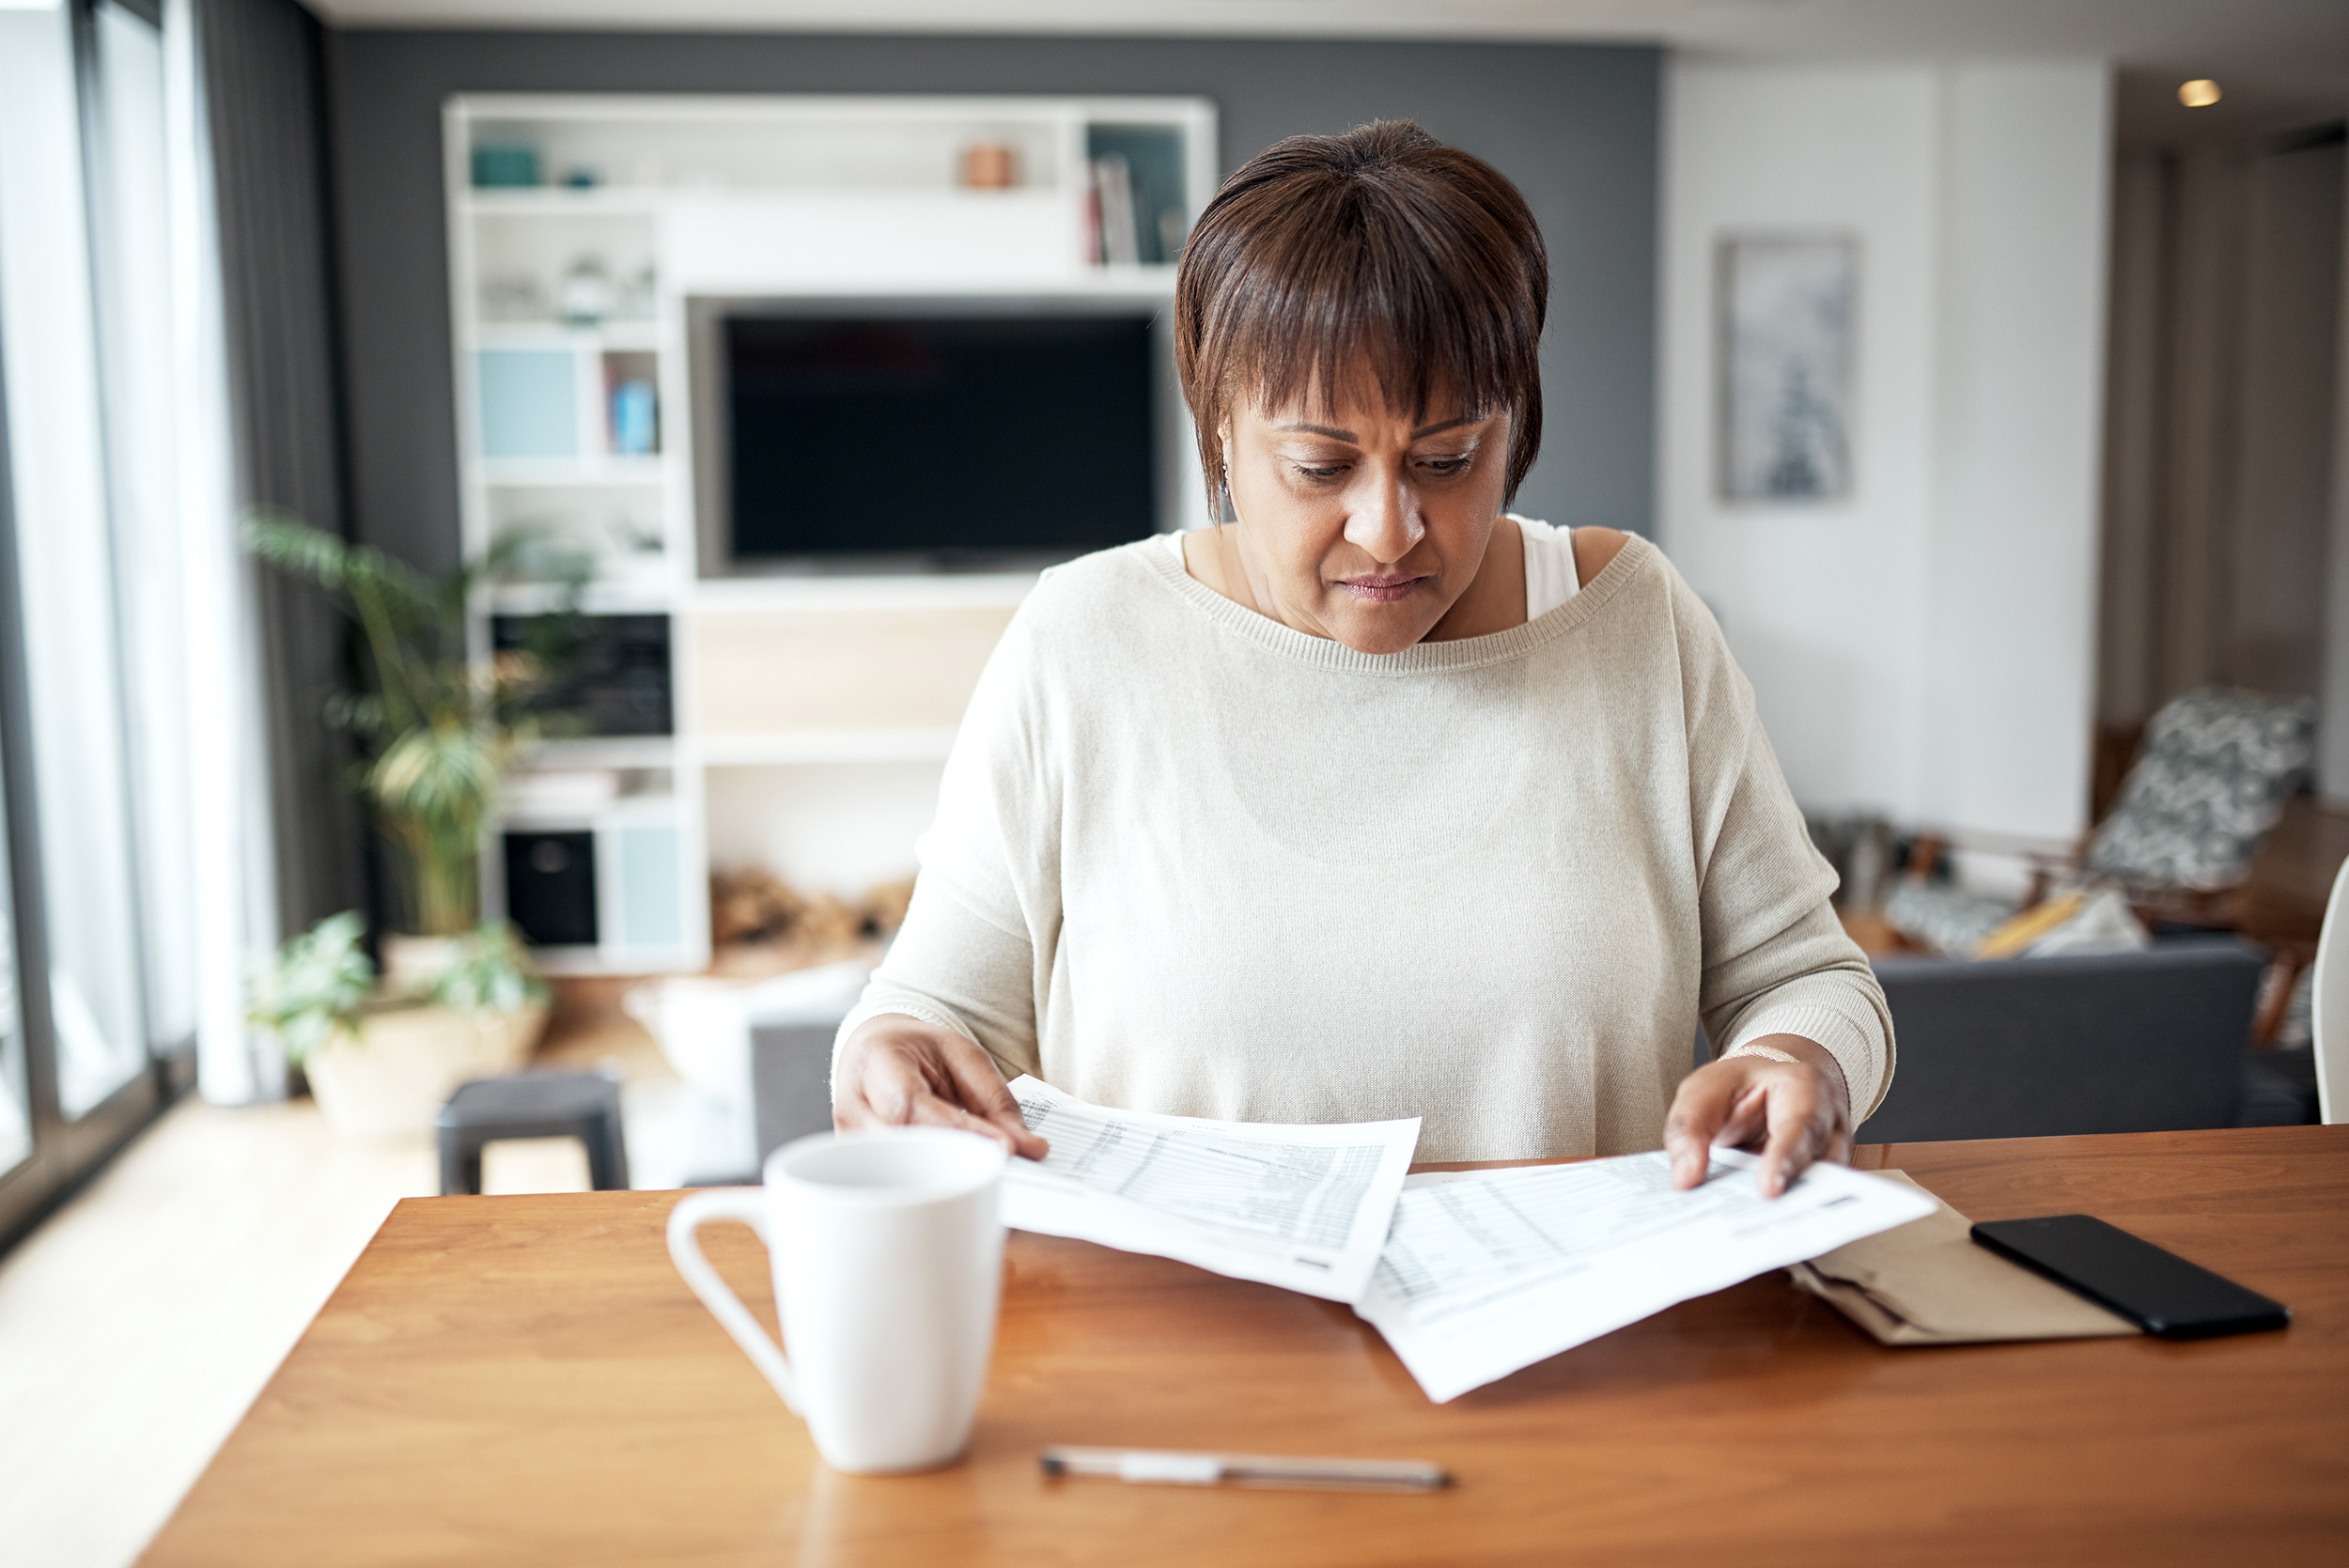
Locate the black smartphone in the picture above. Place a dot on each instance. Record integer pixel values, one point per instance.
(2156, 1290)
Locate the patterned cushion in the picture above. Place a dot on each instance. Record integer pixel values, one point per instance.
(2217, 767)
(1950, 920)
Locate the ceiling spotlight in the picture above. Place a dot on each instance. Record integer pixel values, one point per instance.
(2201, 93)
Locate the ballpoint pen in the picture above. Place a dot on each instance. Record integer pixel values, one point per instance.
(1181, 1468)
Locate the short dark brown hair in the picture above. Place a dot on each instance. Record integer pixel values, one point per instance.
(1381, 247)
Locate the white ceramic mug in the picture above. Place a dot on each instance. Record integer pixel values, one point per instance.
(888, 1249)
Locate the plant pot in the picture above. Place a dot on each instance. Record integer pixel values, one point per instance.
(413, 964)
(392, 1080)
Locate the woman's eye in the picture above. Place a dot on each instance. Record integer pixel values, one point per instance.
(1446, 467)
(1320, 470)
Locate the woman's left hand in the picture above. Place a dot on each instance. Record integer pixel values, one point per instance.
(1793, 1113)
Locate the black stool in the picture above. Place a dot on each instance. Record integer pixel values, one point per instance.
(585, 1106)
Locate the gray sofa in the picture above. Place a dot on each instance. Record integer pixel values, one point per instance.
(2031, 1048)
(2015, 1048)
(790, 1081)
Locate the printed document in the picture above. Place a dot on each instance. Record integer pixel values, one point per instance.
(1305, 1207)
(1494, 1270)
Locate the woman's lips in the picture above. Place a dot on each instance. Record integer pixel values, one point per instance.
(1380, 590)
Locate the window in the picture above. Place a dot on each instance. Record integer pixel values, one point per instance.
(95, 686)
(132, 221)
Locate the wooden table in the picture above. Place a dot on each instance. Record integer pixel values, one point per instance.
(525, 1380)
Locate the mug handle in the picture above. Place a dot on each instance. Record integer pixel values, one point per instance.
(748, 1206)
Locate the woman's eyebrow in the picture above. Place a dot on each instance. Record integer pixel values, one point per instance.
(1349, 435)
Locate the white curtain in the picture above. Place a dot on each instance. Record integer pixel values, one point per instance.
(230, 786)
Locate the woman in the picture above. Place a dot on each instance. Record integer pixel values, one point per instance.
(1377, 801)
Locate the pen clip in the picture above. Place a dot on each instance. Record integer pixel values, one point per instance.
(1186, 1468)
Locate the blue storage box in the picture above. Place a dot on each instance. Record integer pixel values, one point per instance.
(529, 402)
(504, 168)
(652, 910)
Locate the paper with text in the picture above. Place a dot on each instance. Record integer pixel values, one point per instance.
(1490, 1271)
(1301, 1206)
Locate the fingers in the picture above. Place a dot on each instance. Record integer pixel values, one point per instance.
(930, 1079)
(1748, 1117)
(1703, 1106)
(982, 1089)
(1791, 1113)
(1795, 1133)
(928, 1111)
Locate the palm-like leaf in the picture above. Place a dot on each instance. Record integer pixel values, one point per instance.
(442, 729)
(341, 568)
(442, 769)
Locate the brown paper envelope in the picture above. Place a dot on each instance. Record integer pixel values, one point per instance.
(1926, 1282)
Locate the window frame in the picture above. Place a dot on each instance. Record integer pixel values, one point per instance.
(66, 1152)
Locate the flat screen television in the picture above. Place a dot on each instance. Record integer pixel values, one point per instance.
(926, 435)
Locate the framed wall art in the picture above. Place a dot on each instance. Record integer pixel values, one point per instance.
(1787, 309)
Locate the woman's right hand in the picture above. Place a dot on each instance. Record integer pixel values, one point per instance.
(897, 1071)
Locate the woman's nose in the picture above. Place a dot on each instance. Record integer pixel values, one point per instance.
(1384, 522)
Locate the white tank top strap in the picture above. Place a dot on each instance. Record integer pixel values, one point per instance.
(1551, 579)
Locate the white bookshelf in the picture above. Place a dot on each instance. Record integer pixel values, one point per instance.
(738, 196)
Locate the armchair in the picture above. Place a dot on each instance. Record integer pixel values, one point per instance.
(2214, 775)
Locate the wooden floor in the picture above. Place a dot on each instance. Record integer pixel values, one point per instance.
(141, 1320)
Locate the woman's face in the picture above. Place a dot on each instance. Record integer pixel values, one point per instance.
(1358, 522)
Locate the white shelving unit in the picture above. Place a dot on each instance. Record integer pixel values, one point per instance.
(678, 197)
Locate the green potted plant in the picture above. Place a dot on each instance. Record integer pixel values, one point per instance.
(381, 1066)
(311, 992)
(436, 732)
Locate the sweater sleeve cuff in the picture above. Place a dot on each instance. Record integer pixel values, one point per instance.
(1855, 1050)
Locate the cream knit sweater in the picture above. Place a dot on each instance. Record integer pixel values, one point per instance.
(1188, 860)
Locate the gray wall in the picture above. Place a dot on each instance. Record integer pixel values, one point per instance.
(1575, 125)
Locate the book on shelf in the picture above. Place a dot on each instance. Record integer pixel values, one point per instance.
(1113, 206)
(1137, 192)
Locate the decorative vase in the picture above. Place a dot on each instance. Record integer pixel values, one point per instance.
(989, 166)
(586, 297)
(391, 1080)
